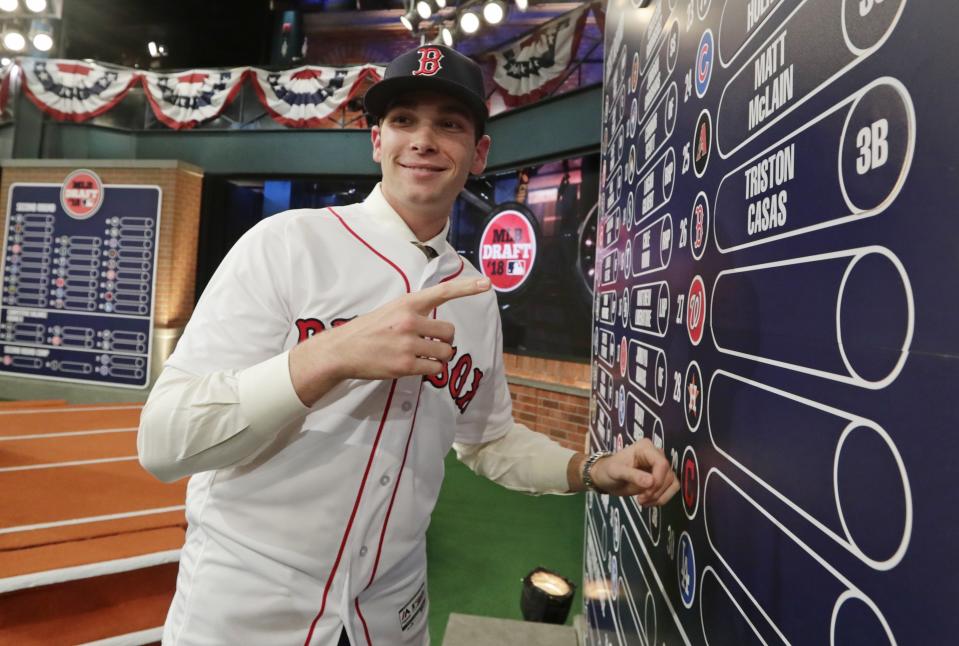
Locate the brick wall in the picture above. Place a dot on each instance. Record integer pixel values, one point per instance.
(551, 397)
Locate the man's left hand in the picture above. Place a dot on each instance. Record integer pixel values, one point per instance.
(639, 470)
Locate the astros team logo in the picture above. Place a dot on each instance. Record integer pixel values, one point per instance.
(430, 64)
(693, 396)
(696, 310)
(82, 194)
(702, 142)
(704, 63)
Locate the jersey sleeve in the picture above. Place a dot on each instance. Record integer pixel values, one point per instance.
(244, 315)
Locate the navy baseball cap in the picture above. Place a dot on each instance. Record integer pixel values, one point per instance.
(434, 68)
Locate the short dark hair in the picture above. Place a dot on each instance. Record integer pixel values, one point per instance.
(479, 125)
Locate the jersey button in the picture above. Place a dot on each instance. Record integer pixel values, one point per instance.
(363, 551)
(406, 407)
(385, 480)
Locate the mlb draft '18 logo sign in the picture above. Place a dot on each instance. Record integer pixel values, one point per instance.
(82, 194)
(507, 250)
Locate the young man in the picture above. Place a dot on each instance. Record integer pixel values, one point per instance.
(331, 363)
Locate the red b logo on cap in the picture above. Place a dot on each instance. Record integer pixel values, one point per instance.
(430, 58)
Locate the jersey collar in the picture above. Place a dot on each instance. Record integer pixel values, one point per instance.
(383, 215)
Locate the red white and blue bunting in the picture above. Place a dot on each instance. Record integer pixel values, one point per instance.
(75, 90)
(181, 100)
(306, 96)
(534, 67)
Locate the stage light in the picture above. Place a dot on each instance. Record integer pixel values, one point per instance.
(441, 4)
(469, 22)
(37, 6)
(152, 48)
(43, 41)
(522, 5)
(424, 9)
(546, 597)
(14, 41)
(4, 61)
(494, 11)
(8, 5)
(446, 33)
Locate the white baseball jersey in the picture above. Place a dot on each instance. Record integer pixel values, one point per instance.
(325, 526)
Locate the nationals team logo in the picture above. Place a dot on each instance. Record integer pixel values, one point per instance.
(82, 194)
(507, 250)
(704, 63)
(430, 64)
(696, 310)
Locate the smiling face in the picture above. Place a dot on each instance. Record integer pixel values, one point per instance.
(426, 145)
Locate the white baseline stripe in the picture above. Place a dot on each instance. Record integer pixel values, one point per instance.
(40, 436)
(131, 639)
(74, 463)
(91, 519)
(69, 409)
(75, 573)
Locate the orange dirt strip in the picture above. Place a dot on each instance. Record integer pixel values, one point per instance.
(51, 526)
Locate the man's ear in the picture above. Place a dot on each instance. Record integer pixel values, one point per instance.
(375, 138)
(482, 152)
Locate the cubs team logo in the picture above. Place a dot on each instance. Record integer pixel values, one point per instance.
(687, 570)
(507, 251)
(702, 142)
(704, 63)
(689, 482)
(81, 195)
(696, 310)
(430, 61)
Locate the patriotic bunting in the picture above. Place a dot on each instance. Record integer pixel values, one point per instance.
(74, 90)
(183, 99)
(534, 67)
(306, 96)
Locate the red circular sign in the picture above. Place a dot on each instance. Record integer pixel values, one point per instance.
(696, 310)
(507, 249)
(82, 194)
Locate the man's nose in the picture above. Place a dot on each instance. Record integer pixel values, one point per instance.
(423, 140)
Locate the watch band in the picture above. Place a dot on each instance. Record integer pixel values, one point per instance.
(587, 467)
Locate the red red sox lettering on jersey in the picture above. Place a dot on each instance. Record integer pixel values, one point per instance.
(455, 380)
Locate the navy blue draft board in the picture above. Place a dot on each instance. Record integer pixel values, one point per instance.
(775, 306)
(78, 290)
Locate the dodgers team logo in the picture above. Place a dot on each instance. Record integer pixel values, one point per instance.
(687, 570)
(82, 194)
(704, 63)
(430, 61)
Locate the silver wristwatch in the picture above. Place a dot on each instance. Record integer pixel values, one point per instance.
(588, 466)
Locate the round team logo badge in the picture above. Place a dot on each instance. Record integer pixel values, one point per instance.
(687, 570)
(704, 63)
(623, 357)
(634, 73)
(699, 226)
(81, 195)
(696, 310)
(689, 482)
(693, 396)
(621, 405)
(507, 250)
(702, 142)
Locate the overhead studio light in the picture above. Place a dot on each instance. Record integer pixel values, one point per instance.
(8, 5)
(43, 41)
(152, 48)
(424, 9)
(441, 4)
(5, 61)
(469, 22)
(522, 5)
(494, 11)
(36, 6)
(446, 33)
(410, 19)
(14, 41)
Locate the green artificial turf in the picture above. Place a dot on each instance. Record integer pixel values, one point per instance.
(483, 539)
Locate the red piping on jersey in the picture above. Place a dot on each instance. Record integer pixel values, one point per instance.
(369, 462)
(396, 487)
